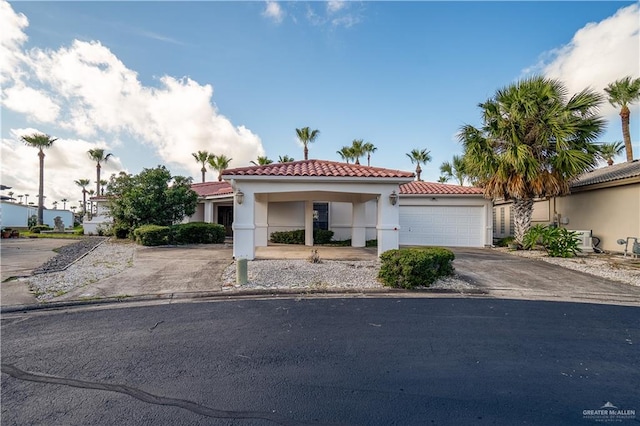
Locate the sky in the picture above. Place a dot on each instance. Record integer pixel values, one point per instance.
(152, 82)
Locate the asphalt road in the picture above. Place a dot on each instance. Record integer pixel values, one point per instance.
(321, 361)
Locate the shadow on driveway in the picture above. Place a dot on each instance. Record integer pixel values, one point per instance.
(507, 276)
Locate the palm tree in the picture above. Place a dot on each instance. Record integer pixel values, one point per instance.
(443, 179)
(346, 153)
(622, 93)
(369, 149)
(64, 203)
(99, 157)
(202, 157)
(11, 195)
(219, 163)
(419, 156)
(40, 141)
(609, 150)
(454, 169)
(20, 197)
(533, 142)
(55, 205)
(103, 183)
(285, 159)
(357, 149)
(306, 136)
(83, 183)
(262, 161)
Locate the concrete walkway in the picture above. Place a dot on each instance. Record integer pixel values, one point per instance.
(18, 258)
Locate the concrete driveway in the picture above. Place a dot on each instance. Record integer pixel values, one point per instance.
(503, 275)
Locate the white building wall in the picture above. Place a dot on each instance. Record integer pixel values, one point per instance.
(17, 215)
(285, 216)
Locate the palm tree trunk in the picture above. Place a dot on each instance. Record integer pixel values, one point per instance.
(522, 212)
(203, 170)
(41, 190)
(418, 171)
(369, 160)
(84, 203)
(306, 153)
(98, 179)
(624, 115)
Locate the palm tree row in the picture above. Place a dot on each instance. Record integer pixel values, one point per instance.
(357, 149)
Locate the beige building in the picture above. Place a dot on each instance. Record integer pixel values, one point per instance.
(605, 201)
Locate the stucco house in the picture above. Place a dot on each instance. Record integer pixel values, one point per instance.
(604, 202)
(354, 201)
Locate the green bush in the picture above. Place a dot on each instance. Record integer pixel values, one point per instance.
(415, 267)
(152, 235)
(121, 231)
(320, 236)
(504, 242)
(558, 242)
(32, 221)
(197, 233)
(36, 229)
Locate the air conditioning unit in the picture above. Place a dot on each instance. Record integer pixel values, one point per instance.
(586, 242)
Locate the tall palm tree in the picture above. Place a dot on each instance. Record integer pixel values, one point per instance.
(622, 93)
(357, 149)
(262, 161)
(20, 197)
(369, 149)
(202, 157)
(285, 159)
(11, 195)
(346, 153)
(64, 203)
(39, 141)
(307, 136)
(219, 163)
(98, 155)
(443, 179)
(419, 156)
(456, 169)
(83, 183)
(103, 183)
(26, 198)
(55, 205)
(533, 142)
(609, 150)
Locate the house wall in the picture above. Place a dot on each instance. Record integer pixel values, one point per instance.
(610, 213)
(285, 216)
(341, 220)
(17, 215)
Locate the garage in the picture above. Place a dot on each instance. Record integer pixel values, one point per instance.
(439, 214)
(455, 226)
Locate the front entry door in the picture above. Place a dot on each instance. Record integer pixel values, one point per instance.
(225, 218)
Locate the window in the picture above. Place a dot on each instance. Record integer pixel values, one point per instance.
(501, 220)
(321, 216)
(512, 226)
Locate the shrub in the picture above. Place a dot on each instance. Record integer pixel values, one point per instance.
(197, 233)
(152, 235)
(558, 242)
(36, 229)
(322, 236)
(415, 267)
(504, 242)
(32, 221)
(121, 231)
(288, 237)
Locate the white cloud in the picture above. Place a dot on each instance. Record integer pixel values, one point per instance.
(98, 97)
(598, 54)
(273, 11)
(335, 5)
(65, 162)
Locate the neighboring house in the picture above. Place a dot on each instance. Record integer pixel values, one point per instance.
(605, 201)
(356, 202)
(16, 215)
(97, 218)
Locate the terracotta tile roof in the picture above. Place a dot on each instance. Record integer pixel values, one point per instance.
(319, 168)
(608, 174)
(430, 188)
(208, 189)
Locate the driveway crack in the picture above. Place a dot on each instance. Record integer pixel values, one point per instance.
(147, 397)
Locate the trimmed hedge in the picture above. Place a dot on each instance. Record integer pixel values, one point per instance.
(183, 233)
(197, 233)
(320, 236)
(36, 229)
(415, 267)
(152, 235)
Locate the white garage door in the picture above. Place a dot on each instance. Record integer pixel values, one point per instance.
(453, 226)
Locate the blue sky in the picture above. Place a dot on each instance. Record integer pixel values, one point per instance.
(153, 82)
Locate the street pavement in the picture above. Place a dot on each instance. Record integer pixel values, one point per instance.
(306, 360)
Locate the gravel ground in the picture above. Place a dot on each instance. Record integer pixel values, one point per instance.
(69, 254)
(107, 259)
(330, 274)
(613, 267)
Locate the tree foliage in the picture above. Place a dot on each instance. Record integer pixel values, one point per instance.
(152, 197)
(622, 93)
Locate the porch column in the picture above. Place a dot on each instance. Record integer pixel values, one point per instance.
(244, 227)
(388, 226)
(261, 211)
(358, 228)
(208, 212)
(308, 223)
